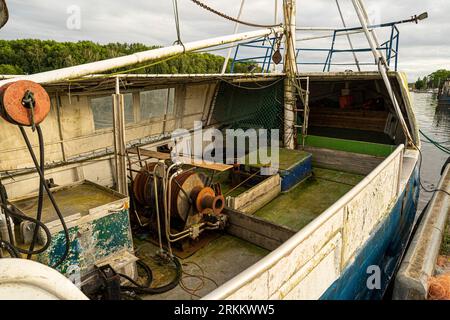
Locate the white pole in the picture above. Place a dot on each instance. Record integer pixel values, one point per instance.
(315, 29)
(290, 70)
(119, 140)
(236, 28)
(109, 64)
(348, 36)
(330, 36)
(382, 65)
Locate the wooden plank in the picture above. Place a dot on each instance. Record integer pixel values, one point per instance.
(344, 161)
(186, 160)
(149, 153)
(258, 196)
(205, 165)
(256, 230)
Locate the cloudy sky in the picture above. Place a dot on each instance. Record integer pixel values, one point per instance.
(424, 47)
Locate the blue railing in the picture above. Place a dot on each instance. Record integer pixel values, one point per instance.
(389, 47)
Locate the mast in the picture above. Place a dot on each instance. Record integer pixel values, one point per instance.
(290, 67)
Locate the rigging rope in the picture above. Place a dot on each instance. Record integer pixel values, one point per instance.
(438, 145)
(225, 16)
(177, 23)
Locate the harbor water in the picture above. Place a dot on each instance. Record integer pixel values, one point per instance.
(434, 121)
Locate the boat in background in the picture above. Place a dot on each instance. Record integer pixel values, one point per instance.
(444, 93)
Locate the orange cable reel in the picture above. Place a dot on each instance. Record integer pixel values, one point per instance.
(24, 103)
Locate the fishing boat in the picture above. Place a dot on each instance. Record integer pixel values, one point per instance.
(444, 93)
(328, 218)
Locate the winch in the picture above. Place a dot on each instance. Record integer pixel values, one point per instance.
(179, 203)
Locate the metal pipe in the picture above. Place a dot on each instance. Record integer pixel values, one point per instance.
(348, 36)
(315, 29)
(236, 28)
(330, 36)
(139, 57)
(382, 65)
(158, 219)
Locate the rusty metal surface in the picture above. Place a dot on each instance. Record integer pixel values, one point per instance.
(13, 108)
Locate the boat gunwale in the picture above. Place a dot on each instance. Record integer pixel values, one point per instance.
(255, 271)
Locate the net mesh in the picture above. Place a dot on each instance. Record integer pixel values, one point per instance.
(255, 105)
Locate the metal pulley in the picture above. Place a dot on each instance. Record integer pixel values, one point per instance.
(24, 103)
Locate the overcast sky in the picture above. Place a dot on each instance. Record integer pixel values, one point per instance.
(424, 47)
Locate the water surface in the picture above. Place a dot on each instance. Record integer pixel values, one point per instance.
(434, 121)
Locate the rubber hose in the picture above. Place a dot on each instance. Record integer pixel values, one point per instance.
(10, 248)
(42, 225)
(41, 190)
(162, 289)
(50, 195)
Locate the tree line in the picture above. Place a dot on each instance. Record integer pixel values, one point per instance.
(27, 56)
(433, 80)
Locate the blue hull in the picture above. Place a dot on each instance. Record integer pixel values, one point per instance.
(385, 249)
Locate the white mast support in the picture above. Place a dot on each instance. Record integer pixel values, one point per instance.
(340, 34)
(119, 62)
(348, 36)
(290, 66)
(382, 65)
(319, 29)
(119, 140)
(374, 34)
(236, 28)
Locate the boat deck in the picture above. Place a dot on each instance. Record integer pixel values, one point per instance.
(298, 207)
(227, 256)
(220, 260)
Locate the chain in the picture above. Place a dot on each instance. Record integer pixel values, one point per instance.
(225, 16)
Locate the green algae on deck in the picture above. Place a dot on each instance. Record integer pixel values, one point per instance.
(71, 200)
(220, 260)
(93, 238)
(287, 158)
(298, 207)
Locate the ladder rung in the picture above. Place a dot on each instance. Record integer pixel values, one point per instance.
(298, 126)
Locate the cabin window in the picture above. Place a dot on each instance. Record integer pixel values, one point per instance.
(103, 112)
(154, 103)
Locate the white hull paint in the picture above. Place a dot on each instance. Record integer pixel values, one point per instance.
(311, 261)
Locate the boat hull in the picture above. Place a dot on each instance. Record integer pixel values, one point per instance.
(384, 249)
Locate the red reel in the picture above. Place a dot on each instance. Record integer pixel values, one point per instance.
(12, 106)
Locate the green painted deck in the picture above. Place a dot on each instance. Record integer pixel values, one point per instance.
(298, 207)
(220, 260)
(361, 147)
